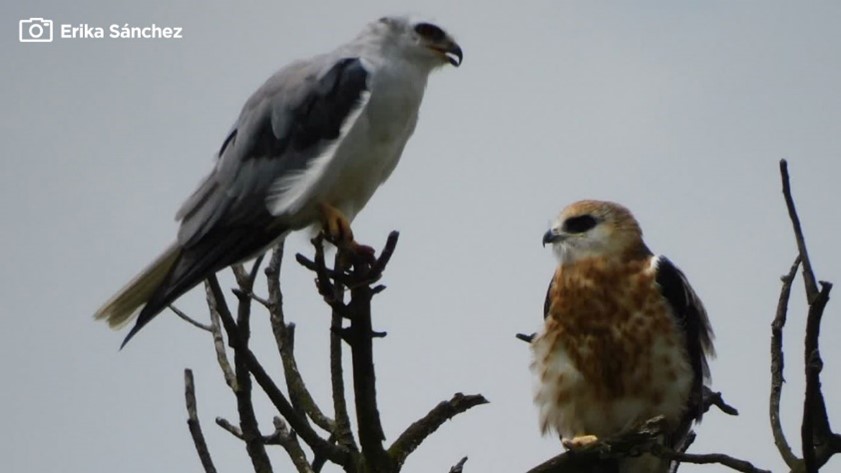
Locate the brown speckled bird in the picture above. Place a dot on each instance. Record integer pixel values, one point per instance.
(625, 337)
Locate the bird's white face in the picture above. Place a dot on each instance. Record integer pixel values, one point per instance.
(588, 229)
(419, 41)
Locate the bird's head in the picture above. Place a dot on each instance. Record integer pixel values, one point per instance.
(592, 228)
(419, 41)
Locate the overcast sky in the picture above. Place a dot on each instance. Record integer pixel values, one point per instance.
(679, 110)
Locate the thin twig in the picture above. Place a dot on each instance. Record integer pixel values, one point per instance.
(712, 398)
(777, 364)
(416, 433)
(808, 274)
(219, 340)
(526, 338)
(298, 392)
(684, 445)
(189, 319)
(337, 383)
(229, 427)
(343, 433)
(289, 441)
(706, 458)
(385, 256)
(459, 467)
(194, 425)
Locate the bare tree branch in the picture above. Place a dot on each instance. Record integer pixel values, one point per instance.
(246, 279)
(229, 427)
(818, 440)
(705, 459)
(289, 441)
(189, 319)
(298, 423)
(360, 337)
(284, 335)
(712, 398)
(815, 428)
(645, 439)
(335, 292)
(416, 433)
(281, 436)
(219, 340)
(337, 383)
(808, 274)
(777, 364)
(254, 444)
(194, 425)
(357, 273)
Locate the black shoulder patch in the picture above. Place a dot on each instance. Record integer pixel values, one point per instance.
(318, 117)
(321, 115)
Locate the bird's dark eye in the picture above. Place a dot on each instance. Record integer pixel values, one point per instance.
(579, 224)
(430, 32)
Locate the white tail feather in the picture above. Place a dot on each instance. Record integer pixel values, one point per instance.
(128, 301)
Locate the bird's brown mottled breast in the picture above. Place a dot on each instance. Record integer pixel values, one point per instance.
(607, 316)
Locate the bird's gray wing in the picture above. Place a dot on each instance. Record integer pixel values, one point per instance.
(280, 136)
(279, 145)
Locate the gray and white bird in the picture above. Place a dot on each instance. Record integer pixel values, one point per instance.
(310, 146)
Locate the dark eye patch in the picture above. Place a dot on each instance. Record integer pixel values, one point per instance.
(579, 224)
(430, 32)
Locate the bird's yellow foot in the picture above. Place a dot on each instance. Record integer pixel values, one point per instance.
(337, 230)
(336, 225)
(579, 441)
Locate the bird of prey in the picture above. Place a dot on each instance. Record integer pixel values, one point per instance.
(310, 146)
(625, 337)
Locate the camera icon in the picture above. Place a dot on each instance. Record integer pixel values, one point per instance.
(35, 30)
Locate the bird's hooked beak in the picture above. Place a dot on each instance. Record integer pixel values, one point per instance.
(451, 52)
(553, 235)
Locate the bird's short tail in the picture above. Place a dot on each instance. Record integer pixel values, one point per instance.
(126, 304)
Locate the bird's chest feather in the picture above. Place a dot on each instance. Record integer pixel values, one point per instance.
(377, 139)
(610, 353)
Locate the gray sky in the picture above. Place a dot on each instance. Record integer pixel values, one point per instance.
(680, 112)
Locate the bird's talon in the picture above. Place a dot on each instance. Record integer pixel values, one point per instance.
(579, 441)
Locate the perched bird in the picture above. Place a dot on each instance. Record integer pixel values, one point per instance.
(310, 146)
(625, 338)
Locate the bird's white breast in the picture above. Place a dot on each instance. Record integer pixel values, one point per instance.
(372, 147)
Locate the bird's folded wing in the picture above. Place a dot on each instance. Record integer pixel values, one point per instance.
(690, 313)
(279, 148)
